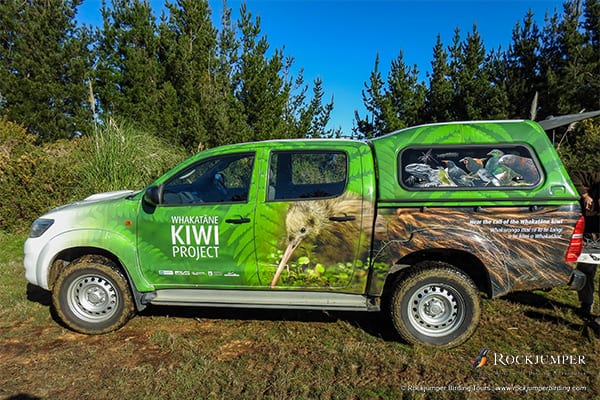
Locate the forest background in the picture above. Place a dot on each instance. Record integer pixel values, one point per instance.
(84, 110)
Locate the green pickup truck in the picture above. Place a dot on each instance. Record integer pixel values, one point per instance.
(417, 224)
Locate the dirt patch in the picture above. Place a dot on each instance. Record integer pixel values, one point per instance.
(235, 349)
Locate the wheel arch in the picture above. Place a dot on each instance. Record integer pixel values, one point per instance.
(69, 255)
(458, 259)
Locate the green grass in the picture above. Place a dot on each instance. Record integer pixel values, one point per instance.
(182, 353)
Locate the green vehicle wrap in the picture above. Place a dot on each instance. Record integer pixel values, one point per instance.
(429, 215)
(517, 233)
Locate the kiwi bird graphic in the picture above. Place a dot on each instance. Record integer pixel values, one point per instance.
(332, 226)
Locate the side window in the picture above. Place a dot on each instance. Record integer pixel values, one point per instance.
(307, 175)
(224, 179)
(464, 167)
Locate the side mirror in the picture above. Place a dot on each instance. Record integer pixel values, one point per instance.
(153, 195)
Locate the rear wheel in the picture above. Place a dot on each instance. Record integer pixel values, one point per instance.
(91, 297)
(435, 305)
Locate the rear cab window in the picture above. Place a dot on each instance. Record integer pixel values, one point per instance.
(295, 175)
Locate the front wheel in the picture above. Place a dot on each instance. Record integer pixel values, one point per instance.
(92, 298)
(435, 305)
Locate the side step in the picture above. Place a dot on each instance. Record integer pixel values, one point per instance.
(261, 299)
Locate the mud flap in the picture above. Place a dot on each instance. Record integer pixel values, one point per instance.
(577, 280)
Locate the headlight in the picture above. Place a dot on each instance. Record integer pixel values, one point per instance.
(40, 226)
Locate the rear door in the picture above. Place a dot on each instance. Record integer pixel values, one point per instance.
(314, 218)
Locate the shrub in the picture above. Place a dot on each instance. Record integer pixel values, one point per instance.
(32, 178)
(582, 150)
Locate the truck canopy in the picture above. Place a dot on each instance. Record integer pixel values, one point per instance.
(487, 162)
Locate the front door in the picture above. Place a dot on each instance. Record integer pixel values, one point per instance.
(202, 232)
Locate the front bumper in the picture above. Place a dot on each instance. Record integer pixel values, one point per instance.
(32, 250)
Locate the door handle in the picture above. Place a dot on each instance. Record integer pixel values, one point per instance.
(343, 219)
(237, 221)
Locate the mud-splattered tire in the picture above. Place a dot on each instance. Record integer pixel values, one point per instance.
(92, 298)
(435, 305)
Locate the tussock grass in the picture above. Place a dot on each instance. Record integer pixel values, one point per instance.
(119, 156)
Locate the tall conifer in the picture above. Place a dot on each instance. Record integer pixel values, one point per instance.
(259, 81)
(439, 93)
(522, 68)
(188, 42)
(129, 75)
(44, 64)
(373, 124)
(470, 84)
(405, 95)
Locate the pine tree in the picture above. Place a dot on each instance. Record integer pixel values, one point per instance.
(373, 124)
(439, 94)
(470, 83)
(405, 96)
(590, 94)
(228, 122)
(564, 66)
(522, 68)
(550, 55)
(495, 103)
(578, 85)
(259, 82)
(44, 64)
(455, 55)
(313, 119)
(187, 54)
(271, 102)
(394, 104)
(573, 67)
(128, 71)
